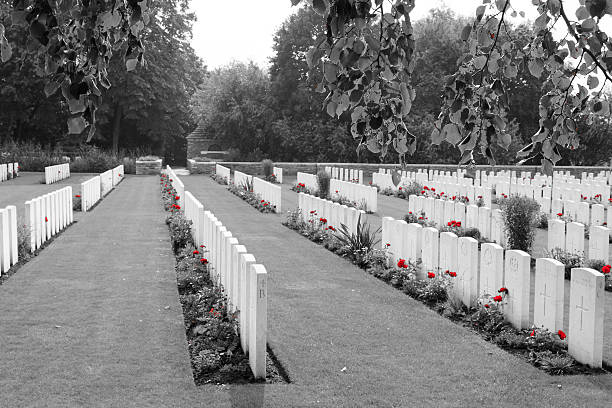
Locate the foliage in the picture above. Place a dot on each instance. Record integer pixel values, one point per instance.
(568, 259)
(361, 205)
(359, 243)
(180, 231)
(542, 220)
(220, 179)
(323, 181)
(430, 291)
(23, 240)
(462, 231)
(267, 168)
(72, 43)
(246, 193)
(77, 203)
(412, 188)
(519, 214)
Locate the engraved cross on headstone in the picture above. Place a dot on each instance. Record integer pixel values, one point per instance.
(582, 309)
(545, 294)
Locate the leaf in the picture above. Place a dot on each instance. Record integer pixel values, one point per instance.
(131, 64)
(436, 136)
(480, 61)
(51, 87)
(542, 20)
(451, 134)
(592, 82)
(597, 8)
(331, 108)
(76, 125)
(319, 6)
(373, 145)
(536, 67)
(406, 99)
(5, 48)
(330, 71)
(480, 10)
(511, 71)
(588, 25)
(582, 13)
(465, 33)
(504, 140)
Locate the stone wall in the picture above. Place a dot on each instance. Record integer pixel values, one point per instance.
(291, 169)
(148, 167)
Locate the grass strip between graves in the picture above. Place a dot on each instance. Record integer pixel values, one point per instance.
(212, 331)
(541, 348)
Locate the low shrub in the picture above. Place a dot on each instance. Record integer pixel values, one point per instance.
(412, 188)
(77, 203)
(358, 244)
(267, 168)
(246, 193)
(542, 221)
(568, 259)
(323, 180)
(180, 231)
(519, 214)
(219, 179)
(23, 240)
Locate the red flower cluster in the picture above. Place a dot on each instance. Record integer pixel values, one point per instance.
(426, 188)
(331, 228)
(46, 219)
(451, 274)
(177, 198)
(431, 275)
(402, 264)
(313, 212)
(479, 197)
(423, 192)
(203, 261)
(561, 334)
(498, 298)
(302, 185)
(176, 206)
(487, 306)
(323, 220)
(503, 290)
(196, 252)
(454, 224)
(532, 334)
(606, 269)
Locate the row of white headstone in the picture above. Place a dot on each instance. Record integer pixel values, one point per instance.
(223, 172)
(244, 282)
(366, 196)
(489, 222)
(178, 185)
(352, 175)
(581, 212)
(278, 173)
(268, 192)
(8, 171)
(97, 187)
(309, 180)
(570, 237)
(242, 179)
(56, 173)
(47, 215)
(314, 209)
(486, 271)
(9, 255)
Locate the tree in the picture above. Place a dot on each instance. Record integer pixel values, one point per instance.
(369, 56)
(154, 98)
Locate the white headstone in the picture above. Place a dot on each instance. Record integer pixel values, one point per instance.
(518, 282)
(484, 222)
(556, 234)
(448, 252)
(491, 268)
(549, 294)
(412, 241)
(599, 243)
(430, 250)
(586, 316)
(467, 270)
(574, 238)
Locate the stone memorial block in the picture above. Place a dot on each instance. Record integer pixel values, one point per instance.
(471, 219)
(556, 206)
(30, 219)
(484, 222)
(491, 268)
(223, 256)
(460, 213)
(412, 204)
(439, 213)
(518, 282)
(449, 211)
(556, 234)
(583, 213)
(570, 209)
(549, 294)
(38, 203)
(429, 207)
(599, 244)
(235, 293)
(258, 320)
(420, 205)
(246, 260)
(5, 242)
(497, 227)
(13, 238)
(598, 214)
(586, 316)
(386, 232)
(430, 250)
(336, 215)
(448, 252)
(412, 241)
(467, 281)
(574, 238)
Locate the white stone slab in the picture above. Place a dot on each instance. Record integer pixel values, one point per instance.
(549, 294)
(448, 252)
(491, 268)
(556, 234)
(574, 238)
(467, 270)
(517, 281)
(599, 243)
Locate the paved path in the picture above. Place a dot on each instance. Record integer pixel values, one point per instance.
(325, 314)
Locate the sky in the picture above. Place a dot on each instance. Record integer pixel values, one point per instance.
(244, 31)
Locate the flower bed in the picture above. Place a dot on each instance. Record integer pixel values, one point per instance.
(221, 180)
(541, 348)
(337, 198)
(212, 332)
(247, 194)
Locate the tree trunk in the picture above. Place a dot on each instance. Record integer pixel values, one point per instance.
(117, 127)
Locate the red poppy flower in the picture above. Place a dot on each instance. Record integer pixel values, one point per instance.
(323, 220)
(204, 261)
(487, 306)
(453, 274)
(178, 207)
(401, 263)
(409, 212)
(606, 269)
(331, 228)
(433, 189)
(196, 252)
(532, 334)
(77, 196)
(312, 212)
(431, 275)
(497, 298)
(266, 204)
(560, 214)
(388, 244)
(503, 290)
(458, 223)
(423, 192)
(450, 223)
(561, 334)
(46, 219)
(399, 188)
(263, 201)
(177, 198)
(202, 246)
(426, 188)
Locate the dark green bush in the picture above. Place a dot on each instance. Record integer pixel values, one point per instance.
(323, 179)
(267, 167)
(520, 220)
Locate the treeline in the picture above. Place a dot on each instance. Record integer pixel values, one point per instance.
(279, 114)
